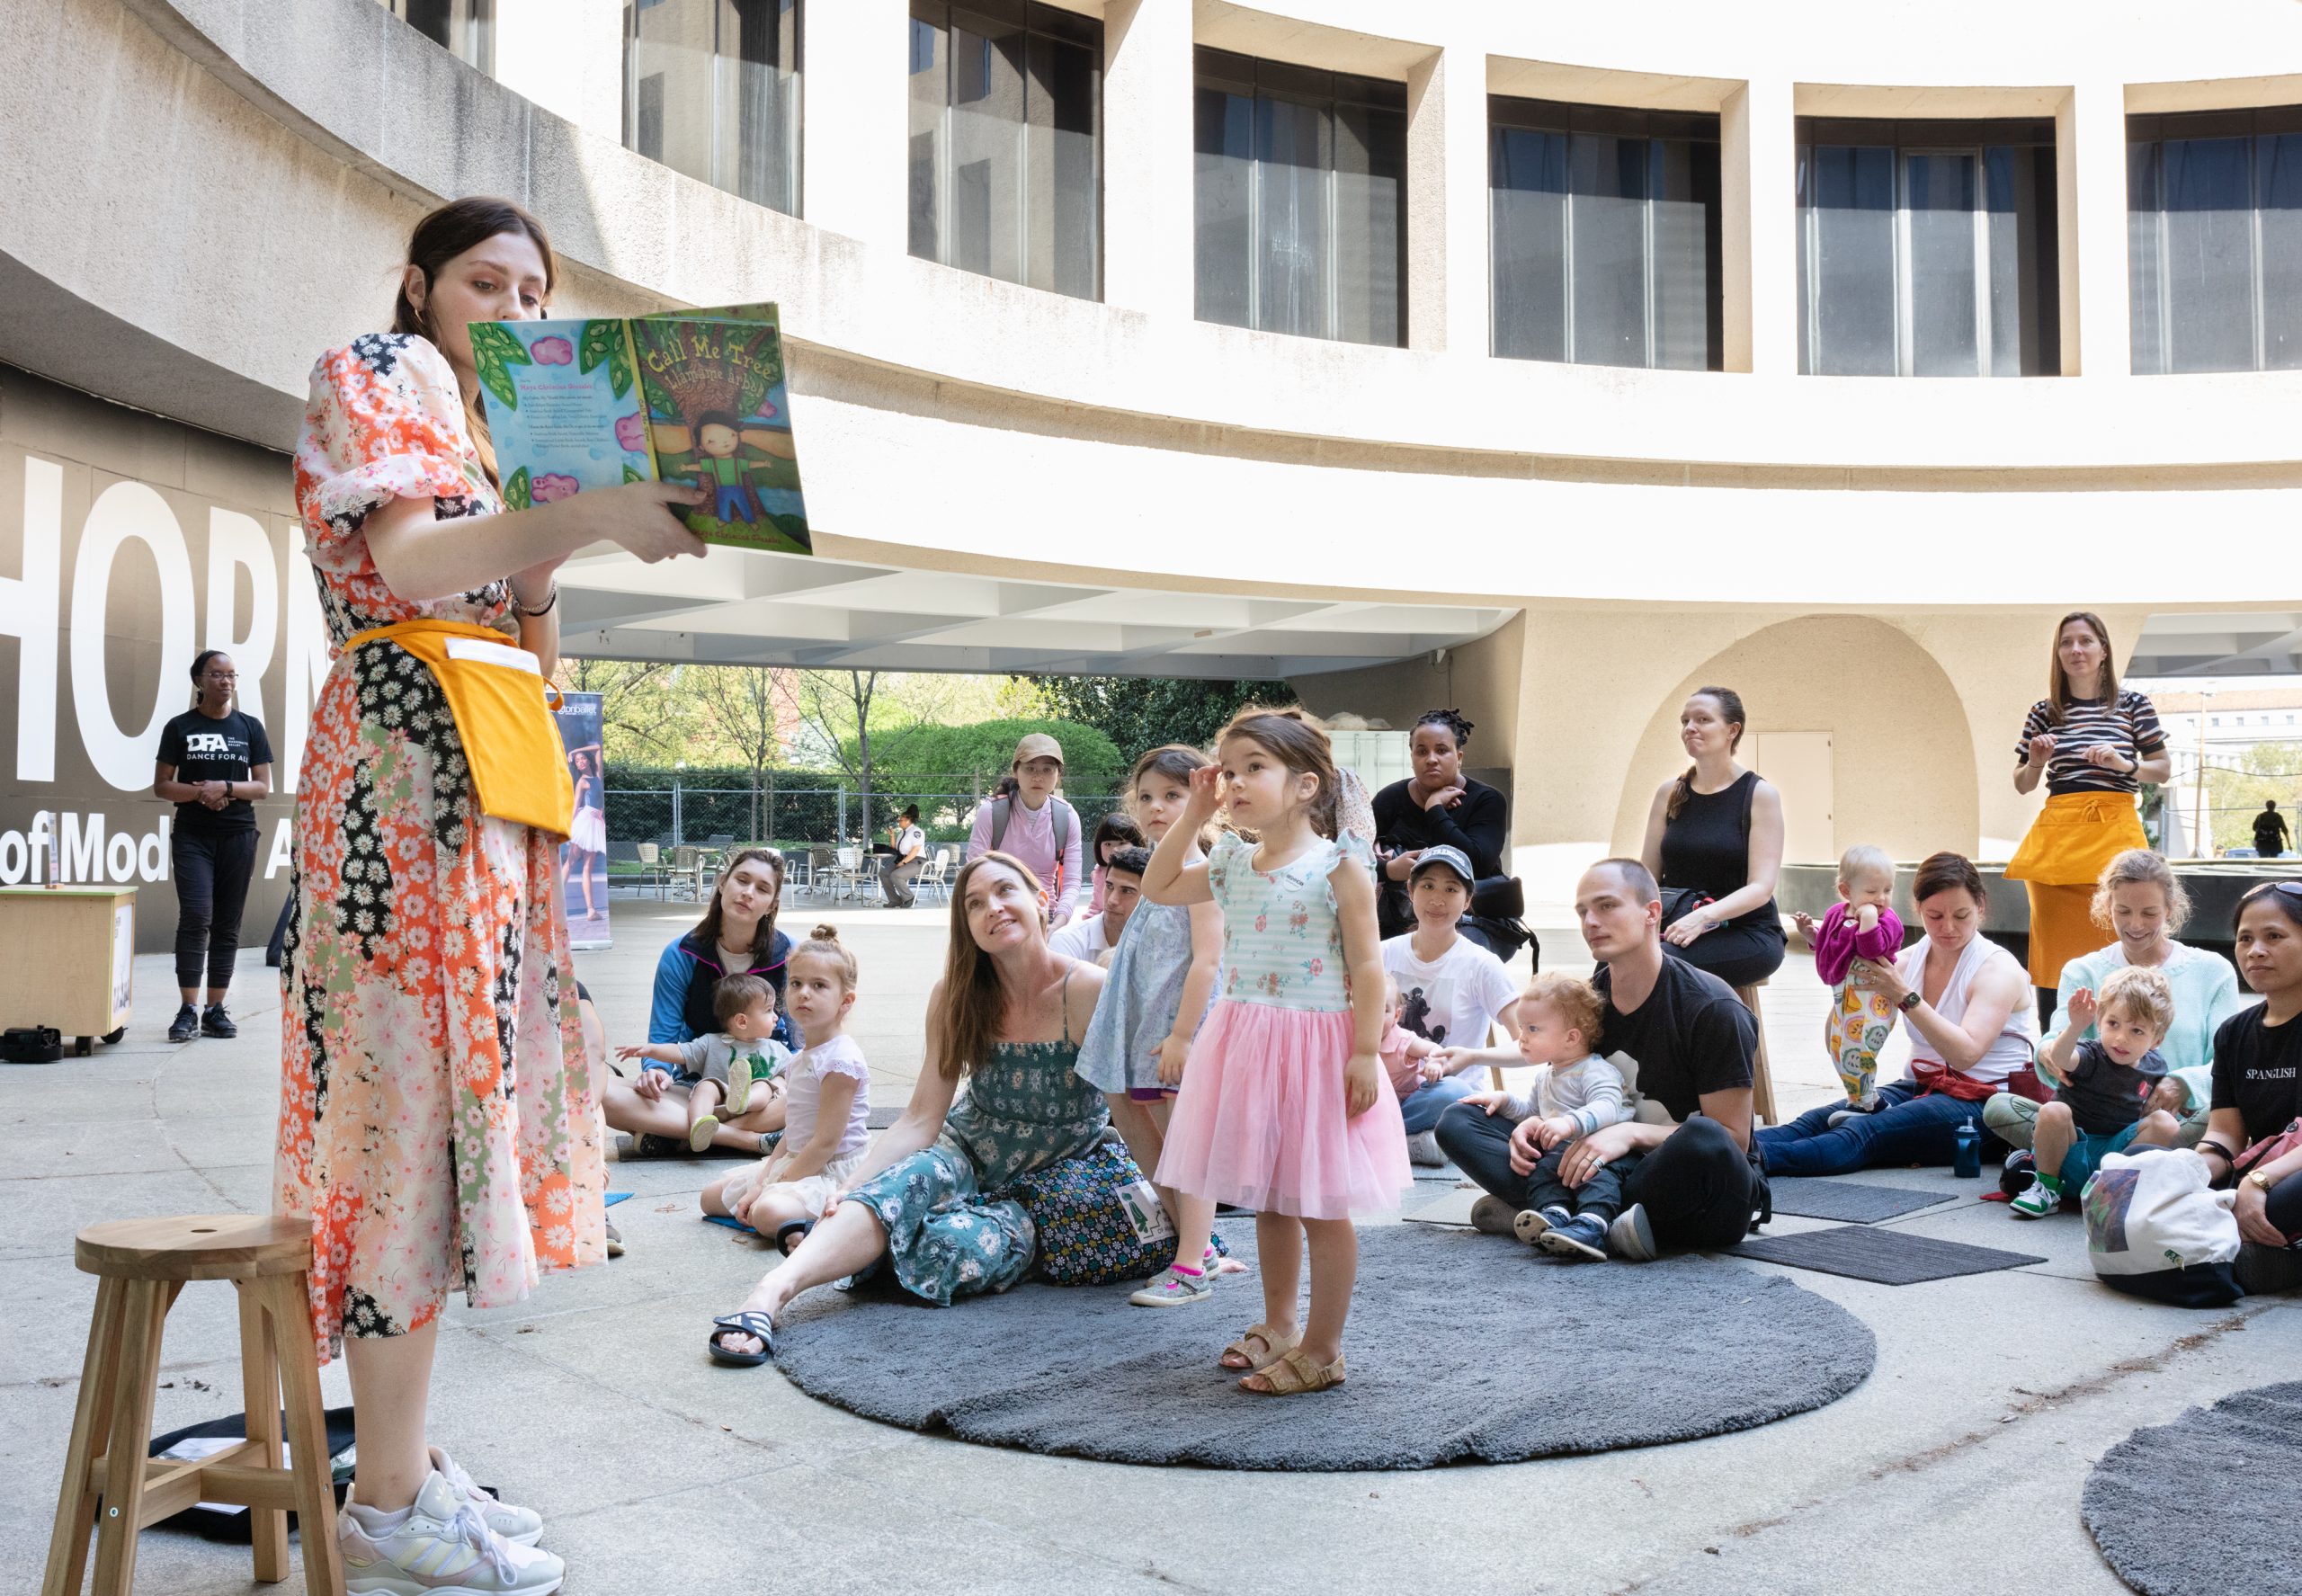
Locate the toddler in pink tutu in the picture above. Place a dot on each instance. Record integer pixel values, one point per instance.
(1282, 1107)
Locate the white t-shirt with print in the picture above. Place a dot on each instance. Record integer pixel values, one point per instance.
(1450, 999)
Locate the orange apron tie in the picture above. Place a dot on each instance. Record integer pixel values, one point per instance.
(502, 706)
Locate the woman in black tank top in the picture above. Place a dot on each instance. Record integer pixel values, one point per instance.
(1716, 833)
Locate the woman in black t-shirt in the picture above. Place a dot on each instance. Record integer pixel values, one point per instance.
(215, 762)
(2258, 1085)
(1438, 805)
(1714, 840)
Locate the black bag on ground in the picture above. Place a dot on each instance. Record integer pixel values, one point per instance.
(31, 1044)
(232, 1523)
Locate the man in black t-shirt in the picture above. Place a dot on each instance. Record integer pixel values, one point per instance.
(214, 762)
(1687, 1044)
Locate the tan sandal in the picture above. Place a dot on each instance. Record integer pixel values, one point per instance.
(1274, 1347)
(1291, 1374)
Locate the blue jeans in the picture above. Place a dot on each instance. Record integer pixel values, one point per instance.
(1914, 1129)
(1422, 1106)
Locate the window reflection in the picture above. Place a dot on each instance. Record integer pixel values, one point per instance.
(2214, 240)
(711, 88)
(463, 28)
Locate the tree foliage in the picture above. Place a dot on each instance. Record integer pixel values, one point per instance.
(926, 757)
(1141, 712)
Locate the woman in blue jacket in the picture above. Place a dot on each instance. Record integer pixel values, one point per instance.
(737, 936)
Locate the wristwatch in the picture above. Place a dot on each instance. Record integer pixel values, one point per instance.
(2258, 1179)
(1909, 1001)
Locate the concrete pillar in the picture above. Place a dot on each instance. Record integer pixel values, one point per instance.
(566, 56)
(1445, 202)
(855, 122)
(2090, 201)
(1149, 202)
(1759, 220)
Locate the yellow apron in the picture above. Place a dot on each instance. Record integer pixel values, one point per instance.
(502, 706)
(2074, 836)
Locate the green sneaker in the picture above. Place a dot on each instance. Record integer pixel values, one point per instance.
(739, 1083)
(2039, 1198)
(700, 1133)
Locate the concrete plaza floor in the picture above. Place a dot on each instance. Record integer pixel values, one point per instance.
(1958, 1465)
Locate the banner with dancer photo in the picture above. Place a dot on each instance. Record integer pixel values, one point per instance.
(583, 856)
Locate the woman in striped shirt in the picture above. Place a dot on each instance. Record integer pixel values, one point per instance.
(2094, 745)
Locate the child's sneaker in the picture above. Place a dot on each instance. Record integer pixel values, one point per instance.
(1533, 1225)
(442, 1546)
(739, 1083)
(1171, 1287)
(1582, 1236)
(700, 1134)
(2037, 1200)
(521, 1526)
(1870, 1103)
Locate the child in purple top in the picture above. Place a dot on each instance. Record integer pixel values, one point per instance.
(1860, 925)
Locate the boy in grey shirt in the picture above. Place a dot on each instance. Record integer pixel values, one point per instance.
(721, 1069)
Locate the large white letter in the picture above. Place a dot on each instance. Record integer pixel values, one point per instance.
(235, 541)
(125, 511)
(28, 605)
(306, 667)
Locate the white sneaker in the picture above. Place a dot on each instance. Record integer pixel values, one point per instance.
(1422, 1148)
(443, 1548)
(522, 1526)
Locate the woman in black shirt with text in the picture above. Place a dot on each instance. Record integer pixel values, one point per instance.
(215, 762)
(1714, 839)
(2258, 1089)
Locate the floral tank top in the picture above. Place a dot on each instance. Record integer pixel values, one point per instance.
(1025, 1108)
(1282, 939)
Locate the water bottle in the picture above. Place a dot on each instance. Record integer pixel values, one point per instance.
(1965, 1162)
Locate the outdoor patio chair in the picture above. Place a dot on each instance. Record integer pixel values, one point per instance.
(935, 874)
(687, 870)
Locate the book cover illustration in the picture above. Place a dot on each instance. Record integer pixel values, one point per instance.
(694, 396)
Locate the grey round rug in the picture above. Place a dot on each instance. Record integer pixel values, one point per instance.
(1462, 1348)
(2205, 1505)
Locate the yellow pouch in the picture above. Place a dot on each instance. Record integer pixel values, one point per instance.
(502, 706)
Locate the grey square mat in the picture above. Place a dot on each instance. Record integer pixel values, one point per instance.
(1848, 1201)
(1888, 1257)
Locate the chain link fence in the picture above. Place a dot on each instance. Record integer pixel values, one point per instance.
(831, 813)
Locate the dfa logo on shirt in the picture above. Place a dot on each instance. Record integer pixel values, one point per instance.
(210, 744)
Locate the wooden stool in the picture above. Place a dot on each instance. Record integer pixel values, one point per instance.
(140, 1265)
(1762, 1078)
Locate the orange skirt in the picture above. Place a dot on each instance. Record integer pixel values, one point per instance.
(2074, 839)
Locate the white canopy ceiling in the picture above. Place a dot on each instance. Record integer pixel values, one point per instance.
(2257, 643)
(742, 607)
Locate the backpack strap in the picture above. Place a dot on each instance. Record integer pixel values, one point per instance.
(999, 822)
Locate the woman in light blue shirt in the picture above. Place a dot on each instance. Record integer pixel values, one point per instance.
(2140, 899)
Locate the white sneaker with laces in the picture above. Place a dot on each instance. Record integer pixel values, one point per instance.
(442, 1547)
(522, 1526)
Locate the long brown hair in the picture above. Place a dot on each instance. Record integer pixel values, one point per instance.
(2058, 693)
(962, 1033)
(1293, 736)
(440, 237)
(1730, 710)
(765, 938)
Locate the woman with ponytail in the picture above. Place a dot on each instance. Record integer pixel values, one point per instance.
(1714, 839)
(437, 1123)
(215, 762)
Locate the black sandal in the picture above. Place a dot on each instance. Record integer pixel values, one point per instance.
(788, 1230)
(745, 1322)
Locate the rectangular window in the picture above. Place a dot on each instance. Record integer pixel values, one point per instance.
(1603, 228)
(2214, 240)
(464, 28)
(1928, 248)
(1301, 219)
(1007, 142)
(711, 88)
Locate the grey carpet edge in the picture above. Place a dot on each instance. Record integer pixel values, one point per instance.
(1890, 1202)
(2116, 1508)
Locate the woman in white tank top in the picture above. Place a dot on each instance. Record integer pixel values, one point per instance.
(1973, 1033)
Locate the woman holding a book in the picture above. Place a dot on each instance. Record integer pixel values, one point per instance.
(437, 1123)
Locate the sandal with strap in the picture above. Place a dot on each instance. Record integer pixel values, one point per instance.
(790, 1233)
(1291, 1374)
(1274, 1346)
(748, 1322)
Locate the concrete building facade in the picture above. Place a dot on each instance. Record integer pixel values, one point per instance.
(1289, 422)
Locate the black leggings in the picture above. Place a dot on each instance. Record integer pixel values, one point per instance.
(1738, 955)
(2282, 1205)
(1700, 1190)
(212, 874)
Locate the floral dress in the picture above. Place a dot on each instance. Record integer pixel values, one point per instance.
(950, 1232)
(436, 1117)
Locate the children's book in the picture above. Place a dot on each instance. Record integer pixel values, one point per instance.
(684, 396)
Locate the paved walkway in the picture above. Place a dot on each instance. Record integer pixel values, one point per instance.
(1956, 1465)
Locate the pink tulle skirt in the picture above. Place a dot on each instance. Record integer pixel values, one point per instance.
(1262, 1121)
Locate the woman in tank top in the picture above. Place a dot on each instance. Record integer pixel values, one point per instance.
(1714, 840)
(1972, 1034)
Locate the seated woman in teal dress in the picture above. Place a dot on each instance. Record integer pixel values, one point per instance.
(924, 1202)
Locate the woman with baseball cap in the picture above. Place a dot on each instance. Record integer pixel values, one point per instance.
(1035, 825)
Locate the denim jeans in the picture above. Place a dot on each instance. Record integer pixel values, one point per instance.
(1698, 1188)
(1914, 1129)
(1422, 1107)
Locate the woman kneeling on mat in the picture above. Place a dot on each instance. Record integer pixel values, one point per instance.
(1972, 1034)
(919, 1202)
